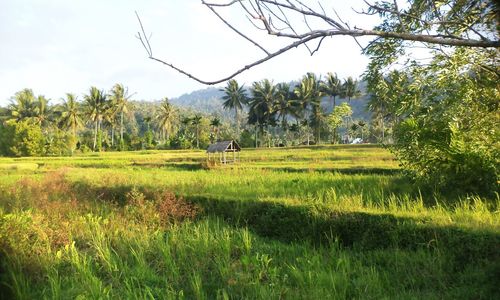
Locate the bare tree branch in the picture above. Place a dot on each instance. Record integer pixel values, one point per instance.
(335, 28)
(236, 30)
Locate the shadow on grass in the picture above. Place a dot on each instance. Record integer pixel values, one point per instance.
(327, 146)
(318, 225)
(358, 230)
(184, 166)
(344, 171)
(459, 248)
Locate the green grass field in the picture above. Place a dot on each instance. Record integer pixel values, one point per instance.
(326, 222)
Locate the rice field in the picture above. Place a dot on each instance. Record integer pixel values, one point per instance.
(330, 222)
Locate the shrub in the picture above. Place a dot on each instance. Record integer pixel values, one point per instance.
(172, 209)
(59, 143)
(247, 139)
(164, 210)
(21, 139)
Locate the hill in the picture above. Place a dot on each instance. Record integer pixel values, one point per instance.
(209, 100)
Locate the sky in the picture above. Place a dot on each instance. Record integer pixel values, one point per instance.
(57, 46)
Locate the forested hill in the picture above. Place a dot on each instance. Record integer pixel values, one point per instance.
(207, 100)
(210, 101)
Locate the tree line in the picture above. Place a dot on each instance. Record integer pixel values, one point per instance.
(265, 114)
(293, 110)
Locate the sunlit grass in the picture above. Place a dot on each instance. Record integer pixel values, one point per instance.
(301, 223)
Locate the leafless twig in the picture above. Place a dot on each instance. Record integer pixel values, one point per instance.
(266, 12)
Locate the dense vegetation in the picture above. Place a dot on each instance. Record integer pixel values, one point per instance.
(443, 105)
(113, 121)
(305, 222)
(288, 221)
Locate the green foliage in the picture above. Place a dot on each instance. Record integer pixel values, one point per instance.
(21, 139)
(448, 133)
(181, 141)
(59, 143)
(122, 146)
(98, 146)
(105, 229)
(445, 110)
(7, 132)
(148, 140)
(339, 117)
(247, 139)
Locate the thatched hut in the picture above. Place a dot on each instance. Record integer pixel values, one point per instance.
(222, 148)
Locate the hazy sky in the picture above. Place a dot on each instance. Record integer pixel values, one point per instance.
(60, 46)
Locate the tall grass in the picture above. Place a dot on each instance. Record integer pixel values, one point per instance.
(149, 231)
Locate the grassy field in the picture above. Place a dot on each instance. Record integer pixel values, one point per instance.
(326, 222)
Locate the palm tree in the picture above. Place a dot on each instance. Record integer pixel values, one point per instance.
(196, 121)
(43, 112)
(350, 89)
(109, 118)
(377, 104)
(95, 103)
(332, 86)
(23, 106)
(262, 104)
(185, 121)
(285, 103)
(26, 106)
(120, 98)
(215, 123)
(165, 116)
(310, 93)
(70, 114)
(234, 98)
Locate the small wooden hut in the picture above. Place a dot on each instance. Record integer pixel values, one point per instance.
(221, 149)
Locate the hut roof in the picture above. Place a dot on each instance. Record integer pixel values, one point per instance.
(224, 146)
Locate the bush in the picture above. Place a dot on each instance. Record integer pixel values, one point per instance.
(21, 139)
(247, 139)
(180, 141)
(59, 143)
(446, 134)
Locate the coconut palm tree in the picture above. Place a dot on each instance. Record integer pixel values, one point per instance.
(332, 86)
(350, 90)
(23, 106)
(285, 104)
(109, 117)
(263, 104)
(164, 117)
(44, 112)
(95, 103)
(120, 99)
(216, 123)
(70, 114)
(234, 98)
(309, 93)
(196, 121)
